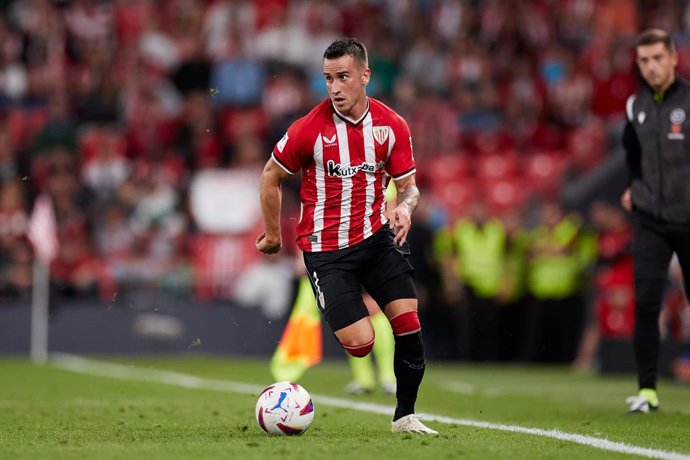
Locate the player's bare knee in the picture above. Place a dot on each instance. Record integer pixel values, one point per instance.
(358, 338)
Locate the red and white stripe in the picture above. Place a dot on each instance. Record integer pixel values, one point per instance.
(346, 207)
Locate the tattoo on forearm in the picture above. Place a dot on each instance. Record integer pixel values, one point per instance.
(409, 196)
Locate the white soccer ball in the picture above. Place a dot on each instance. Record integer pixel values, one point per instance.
(284, 408)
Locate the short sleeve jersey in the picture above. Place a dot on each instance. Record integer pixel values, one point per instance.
(346, 165)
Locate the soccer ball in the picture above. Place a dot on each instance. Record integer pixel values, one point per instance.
(284, 408)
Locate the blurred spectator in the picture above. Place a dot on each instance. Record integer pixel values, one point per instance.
(14, 83)
(13, 214)
(611, 311)
(267, 285)
(225, 23)
(555, 317)
(476, 245)
(197, 139)
(113, 235)
(104, 166)
(10, 167)
(425, 65)
(284, 40)
(237, 81)
(511, 295)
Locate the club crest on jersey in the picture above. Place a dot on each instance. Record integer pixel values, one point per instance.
(381, 133)
(336, 169)
(640, 117)
(329, 141)
(677, 118)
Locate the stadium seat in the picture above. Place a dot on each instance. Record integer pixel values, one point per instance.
(455, 196)
(23, 126)
(236, 123)
(543, 170)
(16, 126)
(504, 194)
(586, 146)
(498, 165)
(449, 167)
(88, 142)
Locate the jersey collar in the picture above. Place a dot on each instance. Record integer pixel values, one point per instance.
(677, 82)
(348, 119)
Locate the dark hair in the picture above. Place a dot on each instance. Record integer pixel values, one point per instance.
(654, 36)
(348, 47)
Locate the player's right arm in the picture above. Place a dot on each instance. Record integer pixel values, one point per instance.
(633, 155)
(287, 159)
(270, 196)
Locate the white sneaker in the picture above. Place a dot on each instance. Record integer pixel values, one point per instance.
(639, 404)
(357, 389)
(411, 424)
(389, 388)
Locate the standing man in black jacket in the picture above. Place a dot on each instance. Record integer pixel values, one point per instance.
(657, 145)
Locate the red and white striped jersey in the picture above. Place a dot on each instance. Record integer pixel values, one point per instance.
(346, 165)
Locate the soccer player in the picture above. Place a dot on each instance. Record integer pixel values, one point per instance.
(347, 147)
(655, 140)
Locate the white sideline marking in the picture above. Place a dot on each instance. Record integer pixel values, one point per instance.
(118, 371)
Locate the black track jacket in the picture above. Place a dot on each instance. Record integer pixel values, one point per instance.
(657, 146)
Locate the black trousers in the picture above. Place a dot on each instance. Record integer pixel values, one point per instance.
(654, 242)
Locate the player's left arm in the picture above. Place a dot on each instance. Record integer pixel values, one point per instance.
(407, 199)
(401, 167)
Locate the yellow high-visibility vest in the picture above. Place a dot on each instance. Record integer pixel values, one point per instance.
(555, 276)
(481, 251)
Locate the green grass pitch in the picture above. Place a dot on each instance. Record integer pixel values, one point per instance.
(48, 412)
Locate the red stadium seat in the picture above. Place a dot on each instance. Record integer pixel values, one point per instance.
(543, 171)
(504, 194)
(89, 140)
(455, 195)
(23, 126)
(16, 126)
(586, 146)
(497, 165)
(449, 167)
(241, 122)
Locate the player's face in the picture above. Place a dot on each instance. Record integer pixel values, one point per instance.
(346, 80)
(657, 65)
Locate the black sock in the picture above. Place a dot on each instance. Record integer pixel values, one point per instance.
(409, 367)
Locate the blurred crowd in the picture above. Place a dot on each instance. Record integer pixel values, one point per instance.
(147, 122)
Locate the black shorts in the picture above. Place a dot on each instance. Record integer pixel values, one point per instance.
(376, 264)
